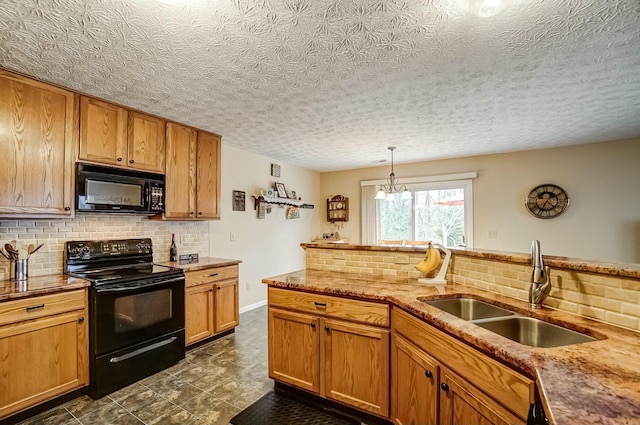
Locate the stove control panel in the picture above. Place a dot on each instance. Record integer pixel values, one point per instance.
(94, 250)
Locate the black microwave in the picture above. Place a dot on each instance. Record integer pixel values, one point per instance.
(116, 190)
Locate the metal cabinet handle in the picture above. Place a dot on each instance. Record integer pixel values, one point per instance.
(213, 274)
(444, 387)
(67, 208)
(81, 320)
(131, 161)
(428, 373)
(218, 288)
(327, 328)
(35, 307)
(199, 212)
(313, 325)
(320, 304)
(119, 159)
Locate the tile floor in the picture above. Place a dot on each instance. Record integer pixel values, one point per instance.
(209, 387)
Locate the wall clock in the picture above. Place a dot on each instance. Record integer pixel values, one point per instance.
(547, 201)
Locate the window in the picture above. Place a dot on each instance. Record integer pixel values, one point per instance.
(439, 211)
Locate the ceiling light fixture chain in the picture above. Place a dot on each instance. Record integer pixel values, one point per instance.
(389, 190)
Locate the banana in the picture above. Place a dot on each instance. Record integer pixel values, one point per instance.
(431, 260)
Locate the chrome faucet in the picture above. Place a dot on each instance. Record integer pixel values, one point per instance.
(540, 279)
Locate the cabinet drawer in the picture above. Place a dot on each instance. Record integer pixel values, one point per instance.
(45, 305)
(503, 383)
(327, 305)
(211, 275)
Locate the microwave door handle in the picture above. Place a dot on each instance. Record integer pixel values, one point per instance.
(147, 196)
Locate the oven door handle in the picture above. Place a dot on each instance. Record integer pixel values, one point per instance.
(142, 350)
(136, 286)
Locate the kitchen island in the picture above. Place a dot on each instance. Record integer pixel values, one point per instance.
(594, 382)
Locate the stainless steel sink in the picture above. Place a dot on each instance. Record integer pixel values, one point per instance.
(522, 329)
(469, 308)
(534, 332)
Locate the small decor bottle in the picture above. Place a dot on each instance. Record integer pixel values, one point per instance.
(173, 250)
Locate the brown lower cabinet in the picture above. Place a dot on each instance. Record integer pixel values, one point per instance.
(338, 348)
(211, 302)
(440, 380)
(43, 347)
(333, 347)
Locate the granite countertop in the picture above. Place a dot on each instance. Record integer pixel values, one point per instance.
(203, 263)
(592, 383)
(39, 285)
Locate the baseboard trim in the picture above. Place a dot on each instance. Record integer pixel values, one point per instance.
(253, 306)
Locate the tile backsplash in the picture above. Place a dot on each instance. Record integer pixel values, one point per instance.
(191, 237)
(611, 299)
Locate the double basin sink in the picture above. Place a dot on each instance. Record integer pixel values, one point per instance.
(509, 324)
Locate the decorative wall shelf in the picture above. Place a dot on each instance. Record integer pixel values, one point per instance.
(257, 200)
(338, 209)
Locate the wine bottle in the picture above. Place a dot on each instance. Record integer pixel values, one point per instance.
(173, 250)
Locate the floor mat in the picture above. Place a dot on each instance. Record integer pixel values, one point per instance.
(279, 409)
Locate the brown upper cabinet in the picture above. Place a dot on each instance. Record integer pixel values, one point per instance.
(192, 174)
(37, 144)
(113, 135)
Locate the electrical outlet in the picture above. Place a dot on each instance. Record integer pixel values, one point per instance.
(248, 286)
(232, 236)
(492, 234)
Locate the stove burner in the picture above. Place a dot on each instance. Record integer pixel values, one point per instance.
(94, 261)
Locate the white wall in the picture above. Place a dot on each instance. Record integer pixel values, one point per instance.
(270, 246)
(602, 180)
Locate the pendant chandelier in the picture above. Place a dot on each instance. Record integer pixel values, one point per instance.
(391, 188)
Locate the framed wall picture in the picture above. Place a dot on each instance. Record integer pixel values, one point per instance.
(282, 191)
(275, 170)
(238, 200)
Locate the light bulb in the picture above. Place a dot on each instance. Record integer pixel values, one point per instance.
(406, 195)
(485, 8)
(381, 195)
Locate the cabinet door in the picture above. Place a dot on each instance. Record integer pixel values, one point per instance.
(294, 349)
(42, 359)
(226, 305)
(198, 313)
(38, 135)
(462, 404)
(208, 176)
(103, 132)
(146, 135)
(180, 197)
(414, 391)
(356, 365)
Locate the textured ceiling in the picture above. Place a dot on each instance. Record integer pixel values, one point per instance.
(329, 84)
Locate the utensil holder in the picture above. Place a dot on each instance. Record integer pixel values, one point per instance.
(19, 269)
